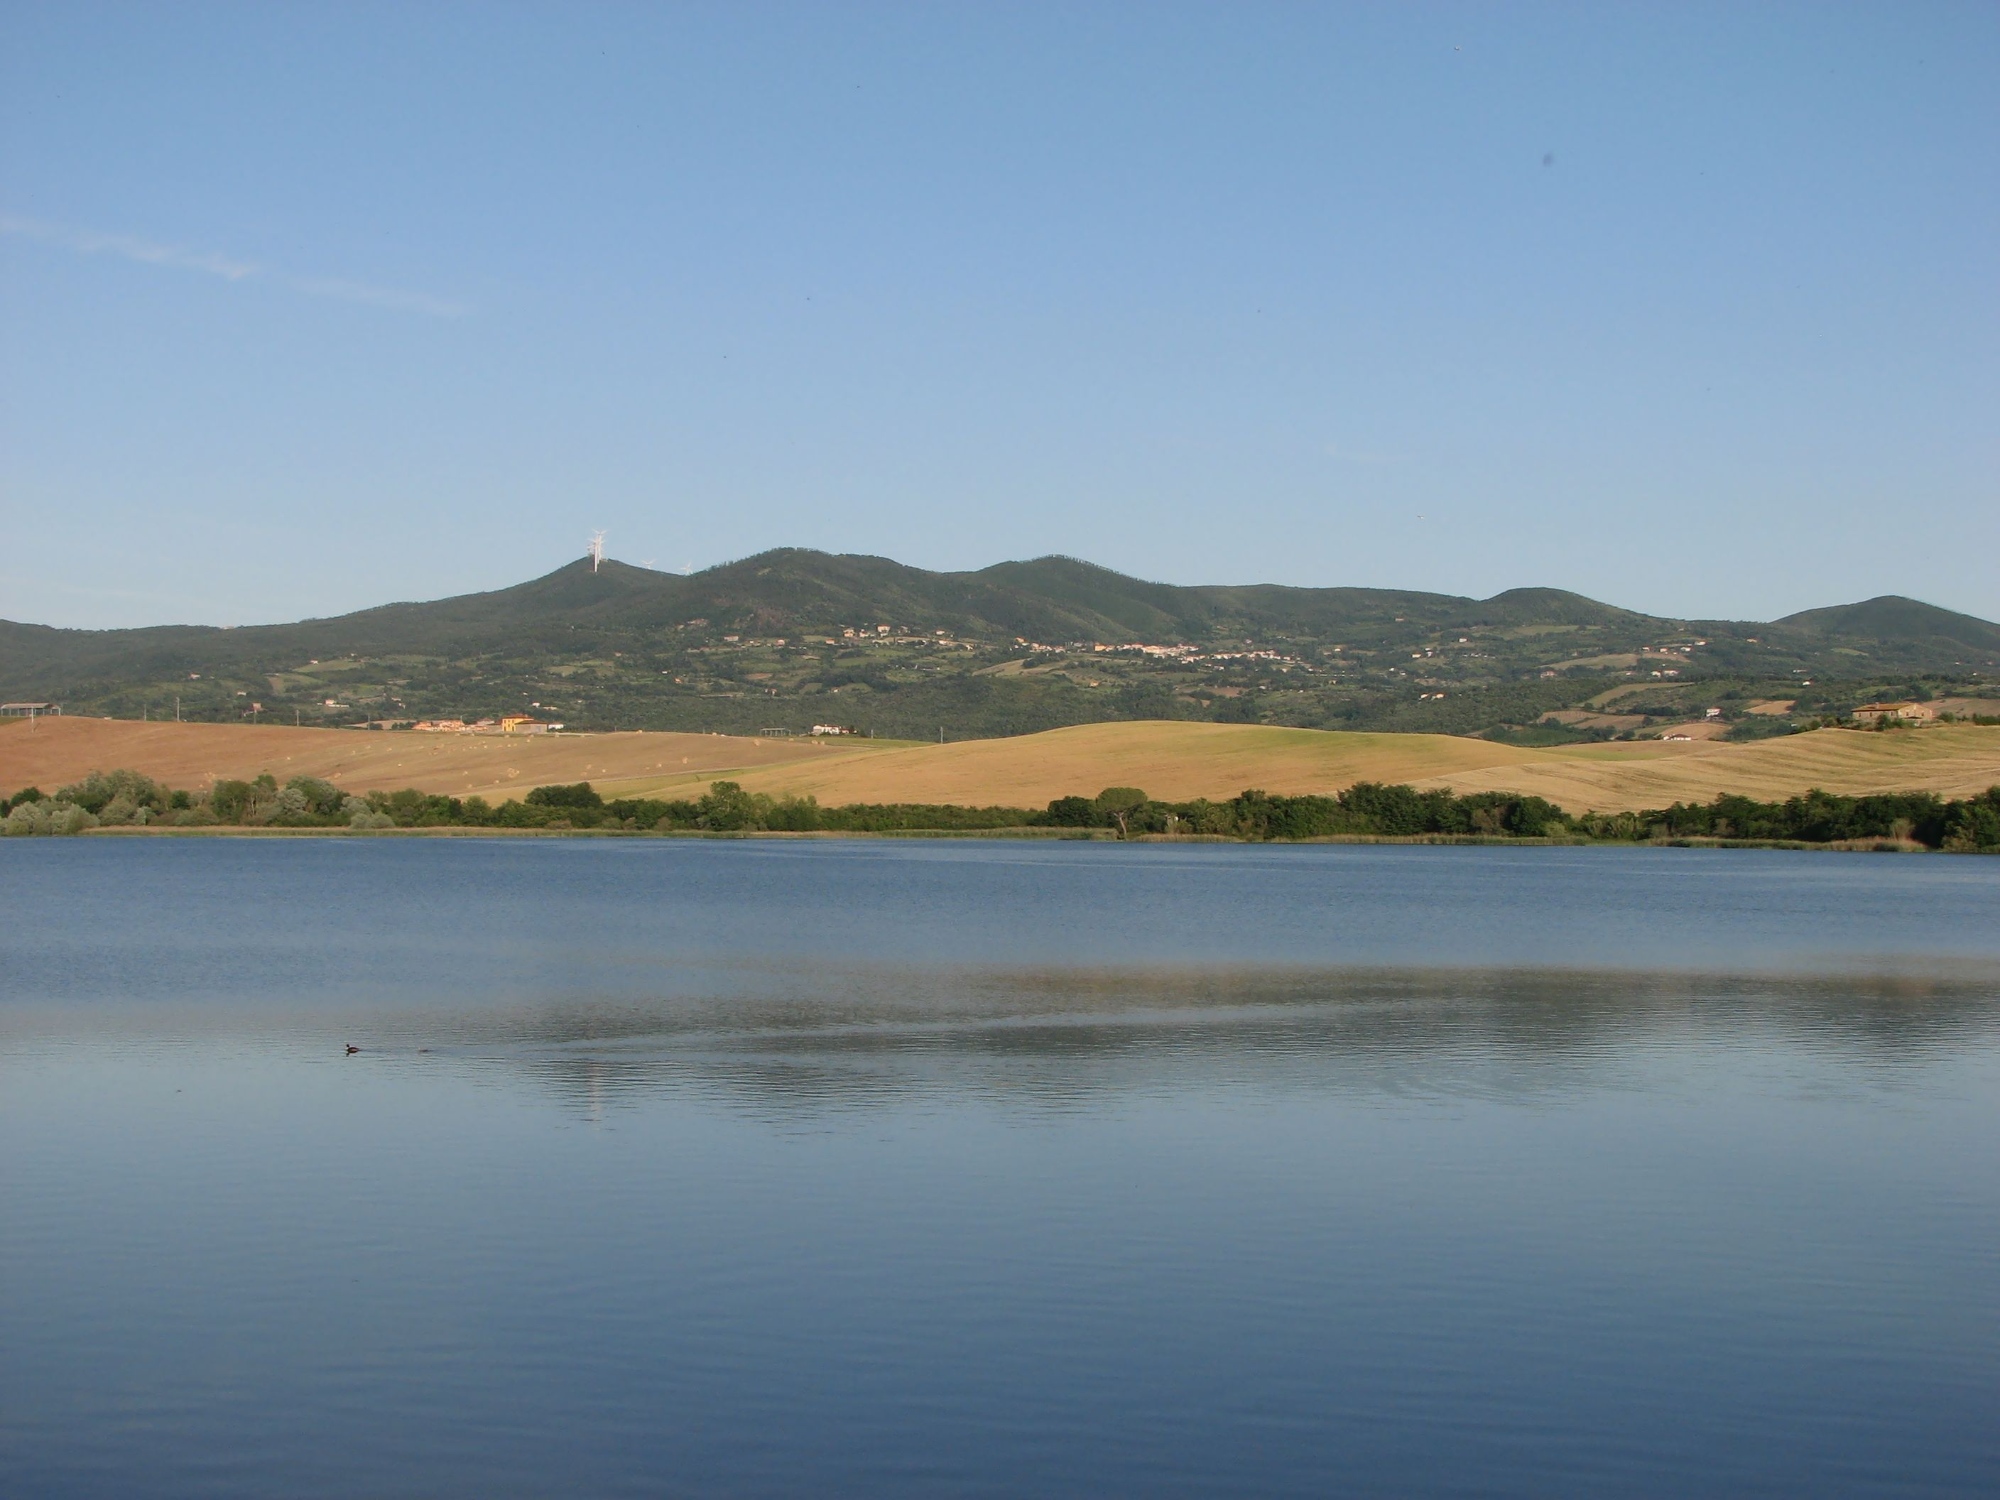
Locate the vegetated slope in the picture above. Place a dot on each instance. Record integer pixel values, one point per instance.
(793, 637)
(1898, 631)
(1049, 599)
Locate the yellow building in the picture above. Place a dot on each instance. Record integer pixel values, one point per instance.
(1907, 713)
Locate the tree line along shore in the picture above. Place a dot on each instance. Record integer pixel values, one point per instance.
(130, 800)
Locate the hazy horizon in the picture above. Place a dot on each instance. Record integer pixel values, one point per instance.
(1689, 309)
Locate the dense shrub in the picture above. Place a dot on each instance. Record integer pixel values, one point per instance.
(1367, 808)
(48, 816)
(1818, 818)
(581, 795)
(117, 796)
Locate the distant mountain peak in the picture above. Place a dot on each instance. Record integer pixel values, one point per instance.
(1899, 618)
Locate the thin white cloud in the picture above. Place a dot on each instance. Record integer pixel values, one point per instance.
(229, 268)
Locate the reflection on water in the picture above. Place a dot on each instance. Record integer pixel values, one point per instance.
(339, 922)
(1051, 1038)
(695, 1169)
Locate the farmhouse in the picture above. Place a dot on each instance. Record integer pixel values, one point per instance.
(1906, 713)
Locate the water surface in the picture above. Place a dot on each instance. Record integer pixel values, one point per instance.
(904, 1168)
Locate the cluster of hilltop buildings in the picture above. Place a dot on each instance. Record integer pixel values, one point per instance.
(1162, 653)
(1895, 713)
(505, 724)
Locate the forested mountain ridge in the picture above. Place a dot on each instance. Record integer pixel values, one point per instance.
(816, 637)
(1910, 624)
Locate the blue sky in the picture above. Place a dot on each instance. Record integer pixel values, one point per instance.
(1694, 309)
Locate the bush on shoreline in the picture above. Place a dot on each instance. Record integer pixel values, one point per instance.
(1366, 809)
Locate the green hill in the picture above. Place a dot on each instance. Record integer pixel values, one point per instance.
(1901, 631)
(793, 637)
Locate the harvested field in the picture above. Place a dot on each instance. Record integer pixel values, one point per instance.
(1583, 718)
(1951, 760)
(1180, 761)
(1693, 729)
(52, 752)
(1177, 761)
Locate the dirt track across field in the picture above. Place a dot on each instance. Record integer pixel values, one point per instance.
(1169, 760)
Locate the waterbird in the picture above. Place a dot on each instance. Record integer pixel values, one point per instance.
(352, 1049)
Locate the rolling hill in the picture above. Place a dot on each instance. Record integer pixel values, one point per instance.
(1170, 760)
(793, 637)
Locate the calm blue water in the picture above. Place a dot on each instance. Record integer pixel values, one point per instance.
(982, 1168)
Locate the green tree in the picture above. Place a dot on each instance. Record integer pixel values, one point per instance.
(1115, 806)
(230, 800)
(322, 798)
(581, 795)
(728, 808)
(1072, 812)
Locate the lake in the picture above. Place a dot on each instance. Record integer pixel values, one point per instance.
(907, 1167)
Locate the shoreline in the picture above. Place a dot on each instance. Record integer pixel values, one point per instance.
(1044, 835)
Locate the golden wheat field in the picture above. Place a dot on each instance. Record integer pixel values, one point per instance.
(1180, 761)
(52, 752)
(1169, 760)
